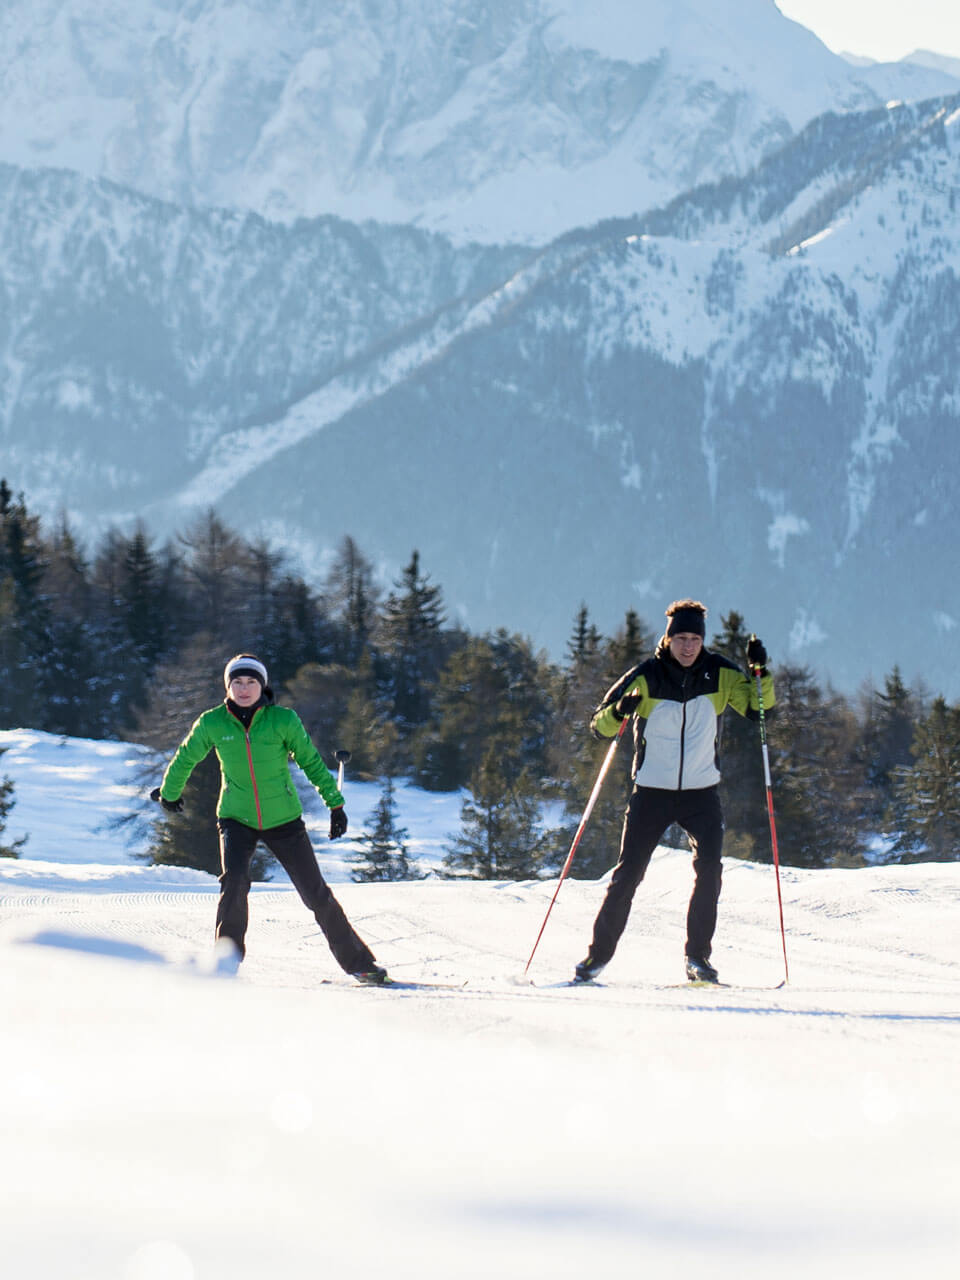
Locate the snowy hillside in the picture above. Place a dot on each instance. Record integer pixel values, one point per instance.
(161, 1124)
(514, 120)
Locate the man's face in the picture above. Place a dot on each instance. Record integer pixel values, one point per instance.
(685, 647)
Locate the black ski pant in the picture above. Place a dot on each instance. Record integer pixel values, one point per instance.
(290, 845)
(649, 814)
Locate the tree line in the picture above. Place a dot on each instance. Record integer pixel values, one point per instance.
(129, 642)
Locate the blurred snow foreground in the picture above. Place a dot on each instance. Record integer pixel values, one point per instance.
(161, 1123)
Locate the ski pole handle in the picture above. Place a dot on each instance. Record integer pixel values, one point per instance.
(341, 757)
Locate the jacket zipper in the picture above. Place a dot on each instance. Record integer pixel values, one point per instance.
(683, 731)
(253, 776)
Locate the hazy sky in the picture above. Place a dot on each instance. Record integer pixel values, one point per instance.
(881, 29)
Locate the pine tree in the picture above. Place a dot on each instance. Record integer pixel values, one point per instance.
(494, 690)
(500, 836)
(320, 694)
(576, 756)
(891, 719)
(385, 854)
(410, 637)
(214, 576)
(584, 641)
(928, 794)
(26, 651)
(818, 783)
(366, 730)
(6, 804)
(634, 641)
(351, 596)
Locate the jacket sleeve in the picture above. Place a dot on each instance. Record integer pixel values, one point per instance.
(195, 747)
(742, 693)
(606, 723)
(300, 745)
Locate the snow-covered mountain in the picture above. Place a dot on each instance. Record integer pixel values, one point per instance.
(509, 120)
(750, 395)
(747, 391)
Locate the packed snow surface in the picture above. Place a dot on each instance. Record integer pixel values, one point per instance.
(161, 1123)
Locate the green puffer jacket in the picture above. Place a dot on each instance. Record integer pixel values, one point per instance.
(256, 786)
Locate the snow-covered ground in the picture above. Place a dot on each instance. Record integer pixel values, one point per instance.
(158, 1123)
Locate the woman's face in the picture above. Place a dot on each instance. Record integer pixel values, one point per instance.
(244, 690)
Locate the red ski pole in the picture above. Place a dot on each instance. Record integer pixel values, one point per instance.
(773, 825)
(608, 760)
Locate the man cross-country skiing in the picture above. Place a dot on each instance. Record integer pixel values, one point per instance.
(676, 698)
(254, 740)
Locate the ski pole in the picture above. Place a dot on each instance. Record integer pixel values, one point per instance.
(341, 757)
(773, 824)
(608, 759)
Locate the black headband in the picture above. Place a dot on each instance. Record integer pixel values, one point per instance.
(687, 620)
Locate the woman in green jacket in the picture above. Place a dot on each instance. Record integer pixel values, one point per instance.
(254, 740)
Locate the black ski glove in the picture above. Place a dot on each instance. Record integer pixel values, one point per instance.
(756, 653)
(338, 822)
(172, 806)
(626, 705)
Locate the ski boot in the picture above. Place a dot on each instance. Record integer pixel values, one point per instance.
(375, 976)
(700, 970)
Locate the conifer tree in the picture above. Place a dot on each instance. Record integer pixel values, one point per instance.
(927, 795)
(7, 802)
(584, 641)
(576, 756)
(385, 855)
(366, 730)
(494, 690)
(351, 596)
(213, 567)
(818, 783)
(410, 637)
(26, 653)
(891, 716)
(500, 836)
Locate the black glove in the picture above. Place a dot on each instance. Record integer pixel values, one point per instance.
(627, 705)
(756, 653)
(172, 806)
(338, 822)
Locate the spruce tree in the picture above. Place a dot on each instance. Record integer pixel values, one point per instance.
(927, 795)
(410, 637)
(365, 729)
(214, 576)
(7, 802)
(500, 835)
(495, 691)
(385, 854)
(891, 717)
(576, 756)
(818, 784)
(27, 659)
(351, 596)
